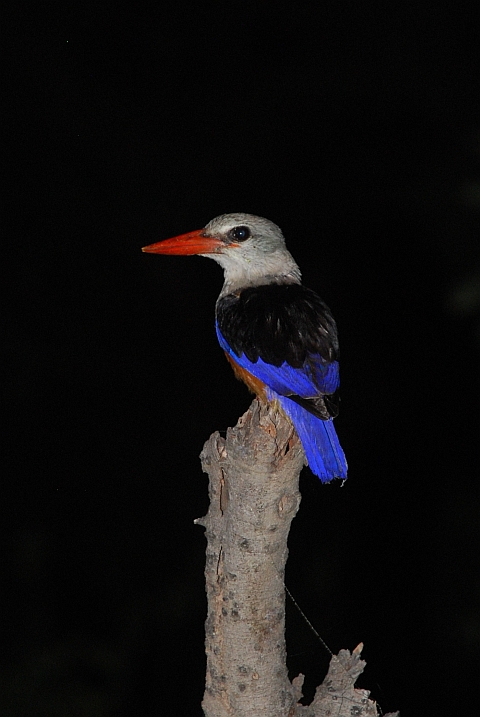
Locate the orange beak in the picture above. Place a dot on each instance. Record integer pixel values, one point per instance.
(192, 243)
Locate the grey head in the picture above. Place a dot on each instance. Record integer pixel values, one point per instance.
(252, 252)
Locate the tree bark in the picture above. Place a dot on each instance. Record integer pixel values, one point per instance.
(254, 496)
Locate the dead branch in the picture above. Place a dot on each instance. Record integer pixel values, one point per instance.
(254, 497)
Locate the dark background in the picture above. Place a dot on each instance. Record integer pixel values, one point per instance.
(355, 127)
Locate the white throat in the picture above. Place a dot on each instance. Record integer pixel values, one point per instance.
(242, 271)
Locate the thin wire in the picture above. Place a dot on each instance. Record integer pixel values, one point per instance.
(309, 623)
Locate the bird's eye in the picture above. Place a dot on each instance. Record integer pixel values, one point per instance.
(240, 233)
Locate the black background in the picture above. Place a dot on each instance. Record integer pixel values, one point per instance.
(354, 126)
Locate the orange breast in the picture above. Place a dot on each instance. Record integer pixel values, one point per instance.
(254, 384)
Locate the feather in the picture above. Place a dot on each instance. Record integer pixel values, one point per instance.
(297, 392)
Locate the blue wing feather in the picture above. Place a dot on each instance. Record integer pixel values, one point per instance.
(316, 376)
(319, 439)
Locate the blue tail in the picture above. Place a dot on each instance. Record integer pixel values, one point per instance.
(319, 440)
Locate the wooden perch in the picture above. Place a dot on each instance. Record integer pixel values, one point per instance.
(254, 497)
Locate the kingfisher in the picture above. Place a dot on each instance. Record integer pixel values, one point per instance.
(279, 336)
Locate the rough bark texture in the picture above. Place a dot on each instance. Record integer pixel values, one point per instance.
(254, 496)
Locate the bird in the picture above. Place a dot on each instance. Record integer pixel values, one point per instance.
(278, 335)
